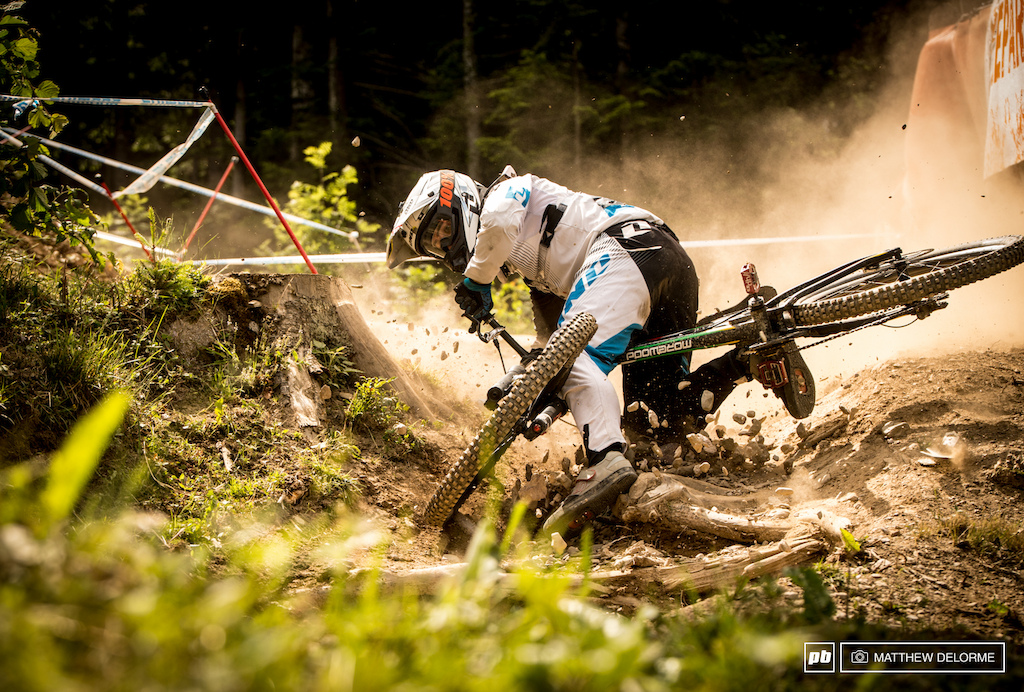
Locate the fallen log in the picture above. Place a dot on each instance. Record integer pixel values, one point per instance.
(704, 574)
(780, 540)
(803, 543)
(677, 504)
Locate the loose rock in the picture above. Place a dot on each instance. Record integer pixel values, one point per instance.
(707, 400)
(558, 543)
(896, 429)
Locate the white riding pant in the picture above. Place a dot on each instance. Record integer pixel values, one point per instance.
(611, 287)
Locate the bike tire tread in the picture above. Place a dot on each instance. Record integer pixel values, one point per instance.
(912, 290)
(564, 346)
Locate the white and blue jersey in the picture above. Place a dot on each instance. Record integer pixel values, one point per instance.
(511, 224)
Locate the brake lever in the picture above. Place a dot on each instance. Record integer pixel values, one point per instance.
(497, 330)
(477, 326)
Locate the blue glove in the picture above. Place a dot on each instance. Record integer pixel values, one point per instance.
(474, 299)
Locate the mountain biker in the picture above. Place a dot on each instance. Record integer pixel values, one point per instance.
(577, 253)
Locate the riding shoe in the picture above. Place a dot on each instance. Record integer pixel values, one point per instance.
(594, 491)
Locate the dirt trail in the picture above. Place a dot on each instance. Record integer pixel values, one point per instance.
(926, 459)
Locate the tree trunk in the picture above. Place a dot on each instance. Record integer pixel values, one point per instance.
(469, 63)
(289, 312)
(622, 80)
(301, 92)
(238, 130)
(336, 107)
(309, 302)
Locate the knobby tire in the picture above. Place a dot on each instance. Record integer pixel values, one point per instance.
(927, 274)
(564, 347)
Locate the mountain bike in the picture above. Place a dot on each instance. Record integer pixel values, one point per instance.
(765, 326)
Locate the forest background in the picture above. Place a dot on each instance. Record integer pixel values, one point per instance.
(583, 92)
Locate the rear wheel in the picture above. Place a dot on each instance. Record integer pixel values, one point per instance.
(902, 280)
(563, 348)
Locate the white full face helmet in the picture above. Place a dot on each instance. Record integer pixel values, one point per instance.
(440, 218)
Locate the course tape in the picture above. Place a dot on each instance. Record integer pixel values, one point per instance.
(726, 242)
(147, 180)
(371, 257)
(23, 102)
(174, 182)
(352, 258)
(81, 180)
(121, 240)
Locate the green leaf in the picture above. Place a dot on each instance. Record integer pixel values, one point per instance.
(26, 48)
(73, 464)
(47, 90)
(57, 123)
(38, 117)
(851, 543)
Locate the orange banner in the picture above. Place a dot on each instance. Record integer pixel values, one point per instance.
(1004, 62)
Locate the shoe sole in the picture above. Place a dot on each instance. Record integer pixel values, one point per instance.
(573, 516)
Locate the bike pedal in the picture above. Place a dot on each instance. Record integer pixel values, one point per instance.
(772, 374)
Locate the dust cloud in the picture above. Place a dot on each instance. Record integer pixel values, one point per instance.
(810, 174)
(431, 338)
(794, 174)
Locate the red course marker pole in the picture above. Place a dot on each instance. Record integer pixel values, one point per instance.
(124, 216)
(206, 209)
(263, 188)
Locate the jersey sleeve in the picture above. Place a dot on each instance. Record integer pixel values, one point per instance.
(501, 222)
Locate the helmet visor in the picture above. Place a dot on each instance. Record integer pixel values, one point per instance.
(437, 237)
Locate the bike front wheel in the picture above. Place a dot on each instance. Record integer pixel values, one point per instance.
(899, 279)
(562, 349)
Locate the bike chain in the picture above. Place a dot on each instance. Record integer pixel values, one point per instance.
(879, 321)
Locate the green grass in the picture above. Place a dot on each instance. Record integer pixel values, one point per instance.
(101, 603)
(994, 537)
(68, 339)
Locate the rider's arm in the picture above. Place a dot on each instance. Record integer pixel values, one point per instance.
(500, 223)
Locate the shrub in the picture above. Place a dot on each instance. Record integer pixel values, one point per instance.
(374, 406)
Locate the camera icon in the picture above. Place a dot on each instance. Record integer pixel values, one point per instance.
(859, 656)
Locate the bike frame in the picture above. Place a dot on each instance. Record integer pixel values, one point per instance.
(762, 325)
(766, 323)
